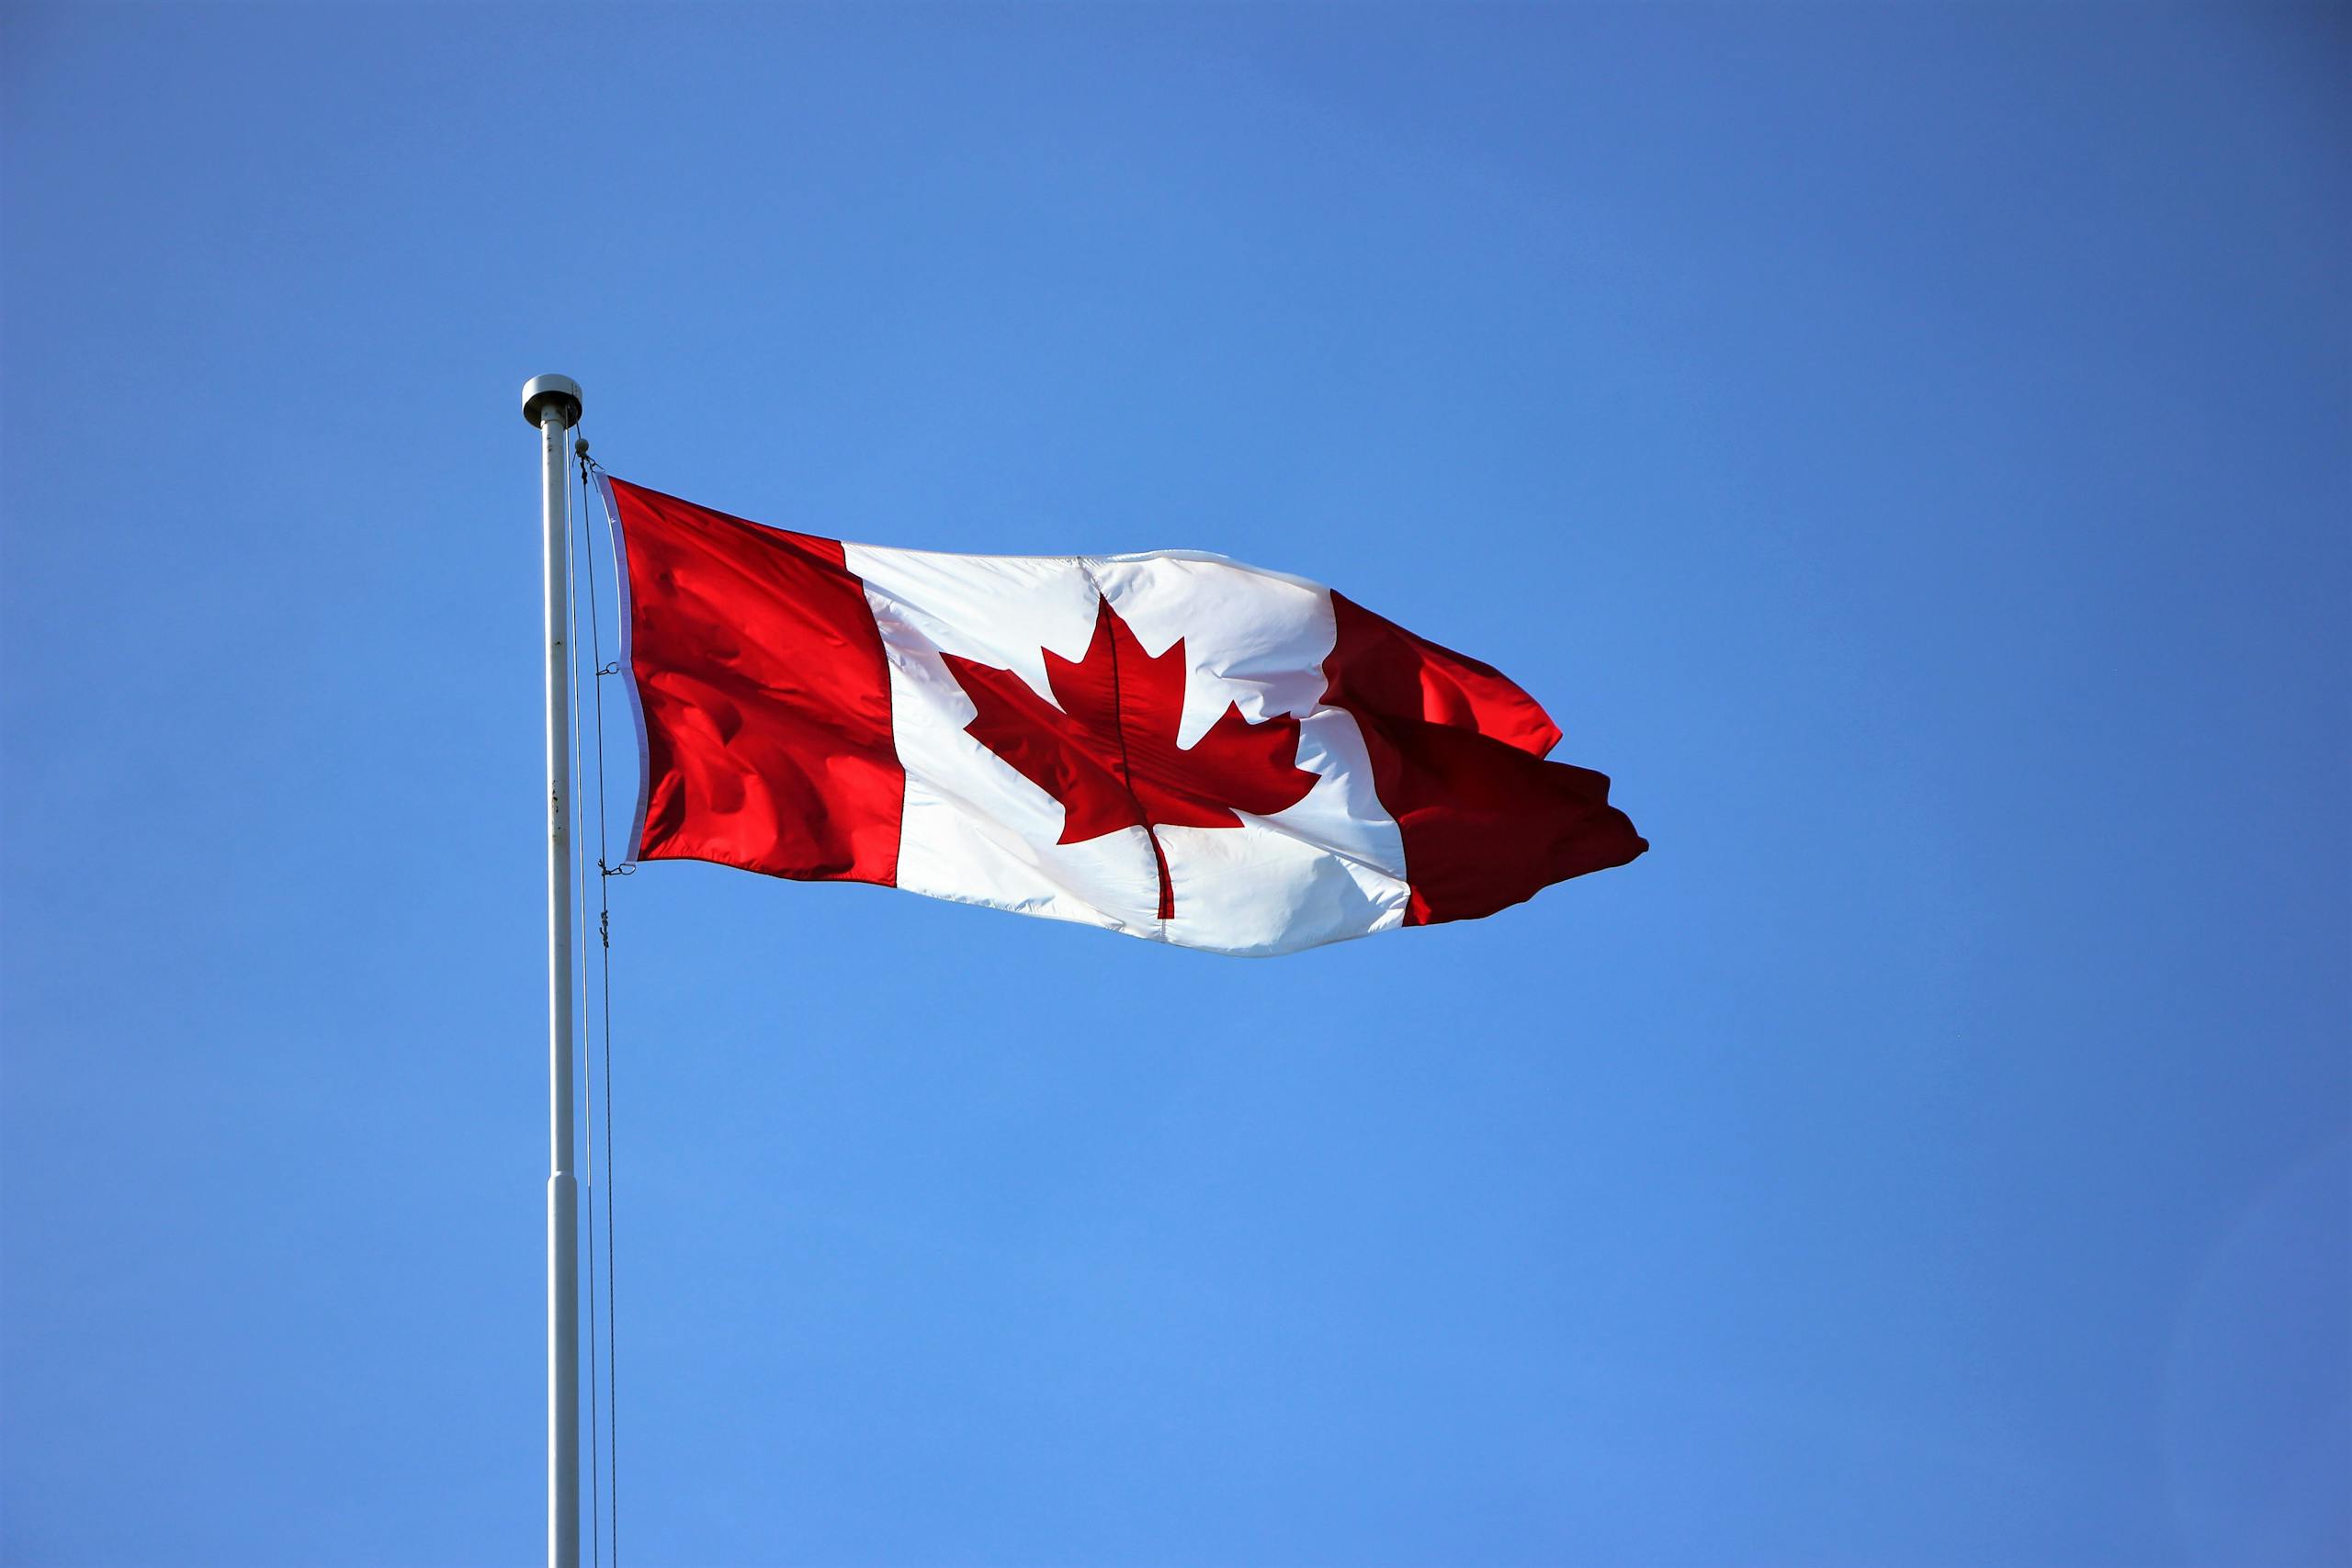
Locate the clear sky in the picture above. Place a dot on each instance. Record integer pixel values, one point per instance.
(1909, 447)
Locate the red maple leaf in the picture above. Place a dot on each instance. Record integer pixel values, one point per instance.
(1109, 753)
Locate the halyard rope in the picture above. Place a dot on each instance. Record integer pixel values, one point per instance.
(579, 813)
(604, 1424)
(604, 1010)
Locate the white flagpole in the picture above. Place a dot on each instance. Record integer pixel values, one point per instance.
(552, 403)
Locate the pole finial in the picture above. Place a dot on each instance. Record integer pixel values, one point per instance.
(543, 394)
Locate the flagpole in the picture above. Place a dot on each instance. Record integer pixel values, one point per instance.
(552, 403)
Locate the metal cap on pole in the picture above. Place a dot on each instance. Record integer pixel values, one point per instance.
(540, 392)
(553, 404)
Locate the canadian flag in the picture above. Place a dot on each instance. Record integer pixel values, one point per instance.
(1172, 745)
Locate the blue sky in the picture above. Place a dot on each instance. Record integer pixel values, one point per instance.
(1904, 446)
